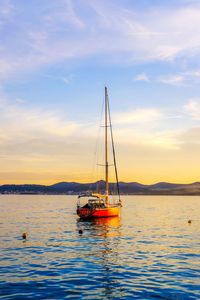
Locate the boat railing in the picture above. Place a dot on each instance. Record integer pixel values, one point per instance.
(85, 195)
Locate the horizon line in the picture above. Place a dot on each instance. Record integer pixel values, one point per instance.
(94, 182)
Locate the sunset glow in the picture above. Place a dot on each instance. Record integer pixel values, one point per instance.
(55, 59)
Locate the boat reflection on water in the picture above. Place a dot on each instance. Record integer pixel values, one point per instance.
(104, 234)
(108, 222)
(101, 226)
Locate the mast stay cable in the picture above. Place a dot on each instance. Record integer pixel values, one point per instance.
(113, 150)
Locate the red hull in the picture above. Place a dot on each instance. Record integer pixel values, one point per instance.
(98, 212)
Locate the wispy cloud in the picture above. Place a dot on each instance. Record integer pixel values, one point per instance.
(192, 108)
(172, 80)
(20, 100)
(64, 12)
(192, 73)
(182, 78)
(62, 30)
(19, 123)
(138, 116)
(164, 139)
(141, 77)
(149, 138)
(66, 79)
(7, 10)
(192, 135)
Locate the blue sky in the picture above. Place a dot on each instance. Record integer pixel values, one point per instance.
(56, 57)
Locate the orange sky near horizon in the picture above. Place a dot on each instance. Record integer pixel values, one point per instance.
(55, 60)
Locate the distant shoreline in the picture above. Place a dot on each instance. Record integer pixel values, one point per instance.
(38, 194)
(75, 188)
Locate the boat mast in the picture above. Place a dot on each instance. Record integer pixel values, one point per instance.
(106, 143)
(113, 150)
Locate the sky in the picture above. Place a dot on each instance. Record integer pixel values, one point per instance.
(55, 59)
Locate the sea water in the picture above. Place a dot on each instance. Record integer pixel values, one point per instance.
(150, 252)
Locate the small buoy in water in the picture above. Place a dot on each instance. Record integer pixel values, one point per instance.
(80, 231)
(24, 235)
(189, 221)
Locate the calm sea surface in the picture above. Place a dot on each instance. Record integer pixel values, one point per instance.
(151, 252)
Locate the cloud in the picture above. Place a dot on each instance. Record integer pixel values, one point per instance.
(192, 108)
(192, 73)
(18, 123)
(142, 77)
(148, 138)
(66, 79)
(6, 68)
(20, 100)
(64, 30)
(190, 76)
(159, 33)
(139, 115)
(172, 80)
(164, 139)
(7, 9)
(190, 136)
(36, 141)
(65, 12)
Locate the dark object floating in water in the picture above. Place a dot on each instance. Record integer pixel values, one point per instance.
(189, 221)
(80, 231)
(24, 235)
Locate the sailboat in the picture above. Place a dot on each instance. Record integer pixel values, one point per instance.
(99, 205)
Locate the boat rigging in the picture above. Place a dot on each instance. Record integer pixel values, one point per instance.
(98, 205)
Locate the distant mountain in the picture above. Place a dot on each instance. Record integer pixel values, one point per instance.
(164, 185)
(132, 188)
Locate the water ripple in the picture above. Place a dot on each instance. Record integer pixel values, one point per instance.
(149, 253)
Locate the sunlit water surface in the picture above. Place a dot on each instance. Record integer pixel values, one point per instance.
(151, 252)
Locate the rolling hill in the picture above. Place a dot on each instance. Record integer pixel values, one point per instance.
(132, 188)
